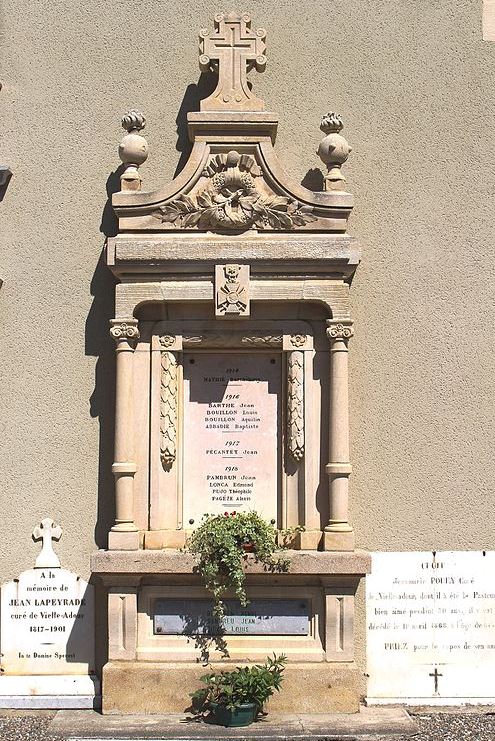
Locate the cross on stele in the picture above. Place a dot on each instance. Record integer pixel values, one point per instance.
(233, 49)
(435, 674)
(47, 531)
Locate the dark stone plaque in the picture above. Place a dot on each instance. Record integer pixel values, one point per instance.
(260, 617)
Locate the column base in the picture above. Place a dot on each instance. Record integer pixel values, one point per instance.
(120, 540)
(335, 541)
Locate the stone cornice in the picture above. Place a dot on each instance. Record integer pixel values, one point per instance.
(162, 562)
(337, 254)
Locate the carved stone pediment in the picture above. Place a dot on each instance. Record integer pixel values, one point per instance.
(232, 194)
(233, 181)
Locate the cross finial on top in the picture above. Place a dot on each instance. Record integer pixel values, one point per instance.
(47, 531)
(232, 50)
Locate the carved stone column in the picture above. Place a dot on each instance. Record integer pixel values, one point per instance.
(339, 535)
(124, 534)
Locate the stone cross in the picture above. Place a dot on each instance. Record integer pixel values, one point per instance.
(47, 531)
(232, 49)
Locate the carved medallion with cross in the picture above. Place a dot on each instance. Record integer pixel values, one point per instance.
(232, 50)
(47, 531)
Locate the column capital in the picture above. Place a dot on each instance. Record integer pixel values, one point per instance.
(342, 330)
(124, 329)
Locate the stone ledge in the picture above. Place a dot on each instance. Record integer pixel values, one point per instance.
(324, 563)
(368, 723)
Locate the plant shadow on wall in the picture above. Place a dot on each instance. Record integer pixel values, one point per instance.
(99, 344)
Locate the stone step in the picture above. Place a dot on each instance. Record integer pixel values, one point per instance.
(370, 724)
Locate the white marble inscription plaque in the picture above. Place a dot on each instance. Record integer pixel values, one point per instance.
(231, 433)
(47, 624)
(47, 634)
(431, 627)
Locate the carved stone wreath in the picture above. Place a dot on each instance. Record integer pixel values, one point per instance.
(231, 200)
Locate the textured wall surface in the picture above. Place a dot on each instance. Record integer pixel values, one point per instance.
(414, 82)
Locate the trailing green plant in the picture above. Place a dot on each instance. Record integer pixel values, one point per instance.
(223, 543)
(245, 684)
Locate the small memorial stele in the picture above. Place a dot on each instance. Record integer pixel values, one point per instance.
(47, 634)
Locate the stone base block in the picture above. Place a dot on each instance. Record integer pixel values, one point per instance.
(339, 541)
(123, 541)
(157, 539)
(49, 691)
(309, 540)
(144, 687)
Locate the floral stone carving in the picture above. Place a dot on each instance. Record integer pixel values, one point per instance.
(168, 409)
(295, 405)
(231, 200)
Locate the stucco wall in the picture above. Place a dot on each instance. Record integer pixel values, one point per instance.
(414, 82)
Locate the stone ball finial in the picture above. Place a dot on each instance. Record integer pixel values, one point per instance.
(333, 150)
(133, 121)
(133, 150)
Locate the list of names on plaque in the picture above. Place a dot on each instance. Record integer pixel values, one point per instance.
(231, 433)
(260, 617)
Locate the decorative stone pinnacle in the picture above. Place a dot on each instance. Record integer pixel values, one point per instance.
(133, 121)
(232, 50)
(47, 531)
(133, 150)
(331, 122)
(333, 150)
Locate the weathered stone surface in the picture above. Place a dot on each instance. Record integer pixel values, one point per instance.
(383, 722)
(343, 250)
(147, 687)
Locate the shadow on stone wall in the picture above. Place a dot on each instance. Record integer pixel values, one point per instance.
(195, 92)
(313, 180)
(100, 345)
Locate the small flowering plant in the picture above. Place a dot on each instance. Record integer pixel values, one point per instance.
(222, 544)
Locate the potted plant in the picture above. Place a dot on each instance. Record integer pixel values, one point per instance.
(235, 698)
(223, 543)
